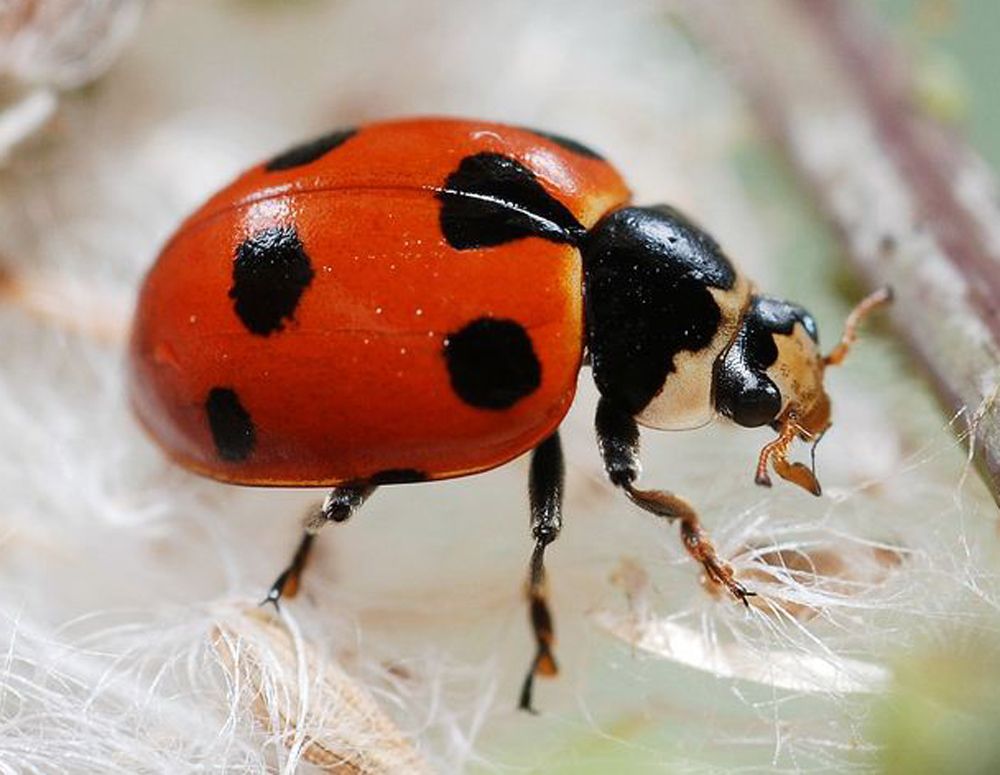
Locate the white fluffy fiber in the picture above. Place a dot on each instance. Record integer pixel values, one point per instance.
(130, 635)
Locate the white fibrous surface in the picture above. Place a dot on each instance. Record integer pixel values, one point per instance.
(132, 640)
(48, 46)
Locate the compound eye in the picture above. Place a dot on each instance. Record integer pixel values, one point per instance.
(743, 394)
(757, 404)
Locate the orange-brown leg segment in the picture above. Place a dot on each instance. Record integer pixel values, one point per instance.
(288, 581)
(618, 439)
(545, 489)
(339, 505)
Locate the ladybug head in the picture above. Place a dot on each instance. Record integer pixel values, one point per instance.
(772, 374)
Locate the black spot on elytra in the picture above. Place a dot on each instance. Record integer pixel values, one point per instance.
(270, 273)
(231, 425)
(492, 363)
(569, 144)
(309, 151)
(742, 389)
(398, 476)
(492, 199)
(648, 274)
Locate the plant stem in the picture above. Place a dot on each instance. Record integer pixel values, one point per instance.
(914, 207)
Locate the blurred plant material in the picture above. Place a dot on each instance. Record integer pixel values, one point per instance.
(943, 712)
(784, 666)
(48, 46)
(915, 206)
(319, 713)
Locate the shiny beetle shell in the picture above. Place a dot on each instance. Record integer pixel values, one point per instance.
(393, 303)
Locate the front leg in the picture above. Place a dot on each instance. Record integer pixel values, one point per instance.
(618, 440)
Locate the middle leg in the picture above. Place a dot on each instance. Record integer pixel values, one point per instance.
(545, 490)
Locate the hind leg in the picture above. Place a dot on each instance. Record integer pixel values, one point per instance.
(339, 505)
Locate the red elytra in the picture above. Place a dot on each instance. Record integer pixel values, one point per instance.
(351, 383)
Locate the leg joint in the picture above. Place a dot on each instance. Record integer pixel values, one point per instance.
(342, 502)
(622, 475)
(546, 532)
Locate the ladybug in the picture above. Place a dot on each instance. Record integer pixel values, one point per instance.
(413, 300)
